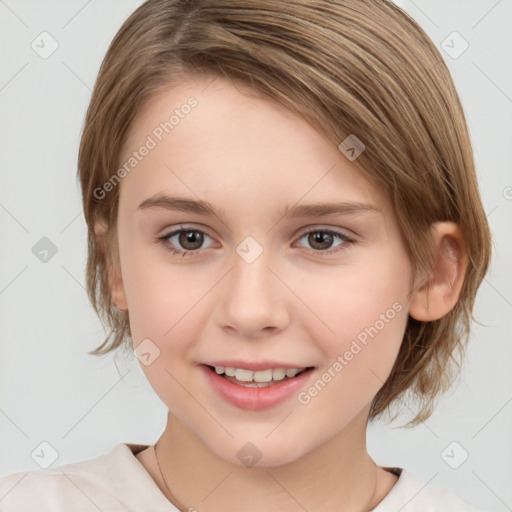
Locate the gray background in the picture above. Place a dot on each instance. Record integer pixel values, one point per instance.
(52, 392)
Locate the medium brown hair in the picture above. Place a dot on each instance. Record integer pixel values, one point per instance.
(361, 67)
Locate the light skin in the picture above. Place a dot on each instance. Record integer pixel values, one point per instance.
(250, 157)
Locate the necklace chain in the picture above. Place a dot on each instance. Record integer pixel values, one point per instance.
(182, 508)
(174, 500)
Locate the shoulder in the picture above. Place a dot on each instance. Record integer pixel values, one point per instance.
(412, 494)
(114, 482)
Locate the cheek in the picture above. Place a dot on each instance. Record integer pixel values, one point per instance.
(348, 299)
(361, 311)
(160, 297)
(165, 310)
(369, 320)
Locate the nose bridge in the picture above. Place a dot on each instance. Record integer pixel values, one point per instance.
(251, 299)
(250, 275)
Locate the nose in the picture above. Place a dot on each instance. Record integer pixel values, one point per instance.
(252, 301)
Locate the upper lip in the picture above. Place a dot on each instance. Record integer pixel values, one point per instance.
(252, 365)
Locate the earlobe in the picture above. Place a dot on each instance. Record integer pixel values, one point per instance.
(114, 275)
(117, 289)
(438, 292)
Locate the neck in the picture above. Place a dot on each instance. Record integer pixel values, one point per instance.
(337, 475)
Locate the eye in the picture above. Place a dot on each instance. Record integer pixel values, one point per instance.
(184, 241)
(189, 241)
(321, 240)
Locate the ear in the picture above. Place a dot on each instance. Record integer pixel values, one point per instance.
(114, 272)
(437, 294)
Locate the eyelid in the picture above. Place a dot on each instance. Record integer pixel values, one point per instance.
(304, 230)
(184, 227)
(332, 229)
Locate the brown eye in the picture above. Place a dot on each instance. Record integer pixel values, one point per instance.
(326, 241)
(184, 242)
(190, 240)
(320, 240)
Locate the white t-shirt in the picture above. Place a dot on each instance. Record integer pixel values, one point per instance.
(118, 482)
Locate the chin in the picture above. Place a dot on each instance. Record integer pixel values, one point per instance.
(260, 454)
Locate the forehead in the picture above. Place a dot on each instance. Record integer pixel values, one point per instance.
(213, 139)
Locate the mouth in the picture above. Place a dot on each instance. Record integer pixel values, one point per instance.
(256, 389)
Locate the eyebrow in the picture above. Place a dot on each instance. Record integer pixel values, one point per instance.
(298, 210)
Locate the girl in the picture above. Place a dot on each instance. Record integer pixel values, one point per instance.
(285, 227)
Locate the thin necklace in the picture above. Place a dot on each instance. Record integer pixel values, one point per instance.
(173, 500)
(182, 508)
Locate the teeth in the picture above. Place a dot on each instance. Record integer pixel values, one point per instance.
(263, 376)
(258, 376)
(243, 375)
(278, 374)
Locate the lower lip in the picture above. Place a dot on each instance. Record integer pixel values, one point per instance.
(255, 399)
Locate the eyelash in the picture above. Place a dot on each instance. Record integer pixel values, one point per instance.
(347, 241)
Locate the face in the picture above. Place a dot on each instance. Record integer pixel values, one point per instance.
(263, 282)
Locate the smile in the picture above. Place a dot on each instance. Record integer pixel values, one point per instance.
(255, 389)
